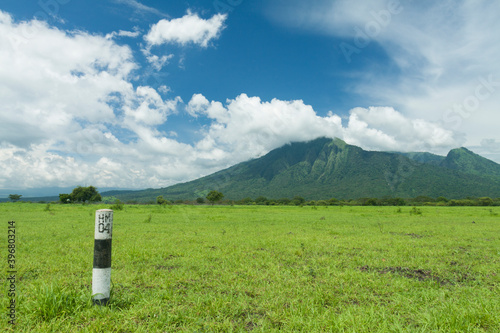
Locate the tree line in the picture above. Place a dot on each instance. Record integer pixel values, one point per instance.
(90, 194)
(300, 201)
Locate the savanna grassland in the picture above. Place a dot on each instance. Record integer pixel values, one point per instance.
(258, 268)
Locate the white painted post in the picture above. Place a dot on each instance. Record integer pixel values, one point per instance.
(101, 272)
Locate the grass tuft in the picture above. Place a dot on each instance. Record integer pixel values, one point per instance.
(52, 301)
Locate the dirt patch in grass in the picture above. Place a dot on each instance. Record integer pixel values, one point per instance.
(417, 274)
(250, 326)
(172, 256)
(412, 235)
(168, 268)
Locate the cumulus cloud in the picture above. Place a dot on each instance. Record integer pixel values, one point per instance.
(73, 102)
(187, 29)
(247, 127)
(57, 89)
(149, 108)
(383, 128)
(197, 104)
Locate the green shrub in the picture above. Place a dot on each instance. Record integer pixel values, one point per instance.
(117, 206)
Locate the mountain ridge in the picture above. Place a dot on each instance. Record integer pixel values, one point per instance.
(330, 168)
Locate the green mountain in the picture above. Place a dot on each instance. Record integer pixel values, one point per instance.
(424, 157)
(326, 168)
(464, 160)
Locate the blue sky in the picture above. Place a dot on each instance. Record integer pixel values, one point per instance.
(136, 94)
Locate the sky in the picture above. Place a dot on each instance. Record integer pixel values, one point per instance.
(145, 94)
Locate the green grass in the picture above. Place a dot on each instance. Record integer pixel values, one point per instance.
(259, 268)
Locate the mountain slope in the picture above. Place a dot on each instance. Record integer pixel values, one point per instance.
(424, 157)
(466, 161)
(326, 168)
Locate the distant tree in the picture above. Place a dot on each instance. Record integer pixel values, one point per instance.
(297, 201)
(333, 202)
(81, 194)
(161, 201)
(441, 199)
(423, 198)
(283, 201)
(15, 197)
(245, 201)
(398, 202)
(261, 200)
(485, 201)
(84, 194)
(214, 196)
(65, 198)
(366, 202)
(200, 200)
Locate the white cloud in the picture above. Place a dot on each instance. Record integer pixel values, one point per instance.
(73, 102)
(141, 8)
(187, 29)
(383, 128)
(156, 62)
(123, 33)
(149, 108)
(248, 127)
(164, 89)
(57, 89)
(159, 62)
(197, 104)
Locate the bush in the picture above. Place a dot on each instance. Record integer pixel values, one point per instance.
(117, 206)
(245, 201)
(283, 201)
(298, 201)
(333, 202)
(262, 201)
(370, 202)
(65, 198)
(214, 196)
(161, 201)
(485, 201)
(415, 211)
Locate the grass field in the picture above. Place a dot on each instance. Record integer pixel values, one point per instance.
(258, 268)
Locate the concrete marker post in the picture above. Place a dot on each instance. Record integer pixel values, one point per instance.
(101, 272)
